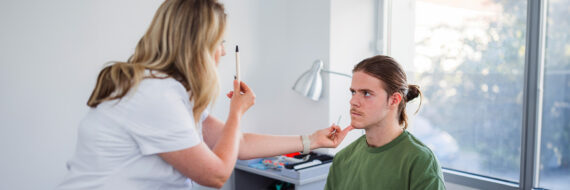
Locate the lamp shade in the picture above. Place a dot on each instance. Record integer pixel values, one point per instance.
(310, 84)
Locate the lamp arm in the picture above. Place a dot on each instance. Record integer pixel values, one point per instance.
(332, 72)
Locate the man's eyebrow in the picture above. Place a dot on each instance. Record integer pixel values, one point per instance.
(362, 90)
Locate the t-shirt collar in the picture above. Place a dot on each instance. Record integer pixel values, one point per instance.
(385, 147)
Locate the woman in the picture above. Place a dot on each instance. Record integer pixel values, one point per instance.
(148, 128)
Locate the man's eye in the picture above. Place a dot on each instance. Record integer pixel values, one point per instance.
(352, 92)
(366, 94)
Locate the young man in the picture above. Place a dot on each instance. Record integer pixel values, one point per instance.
(388, 156)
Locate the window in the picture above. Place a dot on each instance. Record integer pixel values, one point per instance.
(469, 62)
(554, 165)
(470, 58)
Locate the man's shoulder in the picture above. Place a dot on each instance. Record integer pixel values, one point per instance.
(417, 147)
(418, 153)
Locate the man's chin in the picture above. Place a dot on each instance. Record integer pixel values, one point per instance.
(357, 125)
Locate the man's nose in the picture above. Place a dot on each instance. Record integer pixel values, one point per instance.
(354, 101)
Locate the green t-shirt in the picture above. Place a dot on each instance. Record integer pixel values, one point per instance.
(404, 163)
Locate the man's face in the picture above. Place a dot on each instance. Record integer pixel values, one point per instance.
(369, 102)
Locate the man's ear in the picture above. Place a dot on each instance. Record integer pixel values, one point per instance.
(395, 100)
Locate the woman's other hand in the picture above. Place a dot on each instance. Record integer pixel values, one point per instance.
(329, 137)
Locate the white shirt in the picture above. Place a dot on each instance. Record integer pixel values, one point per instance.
(118, 141)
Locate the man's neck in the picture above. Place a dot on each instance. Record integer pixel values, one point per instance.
(383, 133)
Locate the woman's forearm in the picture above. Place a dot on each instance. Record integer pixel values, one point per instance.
(257, 146)
(227, 146)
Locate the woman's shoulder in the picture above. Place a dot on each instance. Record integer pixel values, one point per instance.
(150, 94)
(160, 87)
(161, 83)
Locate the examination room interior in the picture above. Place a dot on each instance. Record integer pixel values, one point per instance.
(495, 76)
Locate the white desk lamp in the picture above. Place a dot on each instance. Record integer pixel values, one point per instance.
(310, 84)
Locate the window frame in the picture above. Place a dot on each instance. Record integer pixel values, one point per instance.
(533, 88)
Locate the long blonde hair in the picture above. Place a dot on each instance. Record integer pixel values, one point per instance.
(180, 42)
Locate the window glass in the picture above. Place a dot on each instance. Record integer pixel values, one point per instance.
(469, 62)
(555, 142)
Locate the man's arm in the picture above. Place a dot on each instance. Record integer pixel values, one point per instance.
(257, 145)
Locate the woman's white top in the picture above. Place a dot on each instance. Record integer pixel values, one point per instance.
(118, 141)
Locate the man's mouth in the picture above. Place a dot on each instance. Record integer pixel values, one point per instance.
(355, 113)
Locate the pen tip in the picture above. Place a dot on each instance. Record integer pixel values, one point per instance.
(237, 48)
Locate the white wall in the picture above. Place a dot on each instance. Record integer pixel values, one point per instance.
(353, 33)
(51, 53)
(278, 41)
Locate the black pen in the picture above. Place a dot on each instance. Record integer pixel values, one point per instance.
(237, 65)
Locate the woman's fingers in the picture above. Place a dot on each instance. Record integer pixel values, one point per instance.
(244, 87)
(347, 129)
(236, 87)
(339, 134)
(242, 97)
(333, 130)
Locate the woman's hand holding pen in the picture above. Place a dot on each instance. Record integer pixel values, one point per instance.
(242, 98)
(329, 137)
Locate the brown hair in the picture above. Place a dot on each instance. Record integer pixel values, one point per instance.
(387, 70)
(180, 42)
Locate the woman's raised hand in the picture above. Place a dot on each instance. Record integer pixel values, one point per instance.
(242, 98)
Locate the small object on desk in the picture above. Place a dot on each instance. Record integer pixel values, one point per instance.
(274, 163)
(307, 164)
(291, 160)
(292, 154)
(323, 158)
(257, 166)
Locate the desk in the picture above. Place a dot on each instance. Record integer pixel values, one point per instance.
(247, 178)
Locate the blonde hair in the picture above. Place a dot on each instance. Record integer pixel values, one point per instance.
(180, 42)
